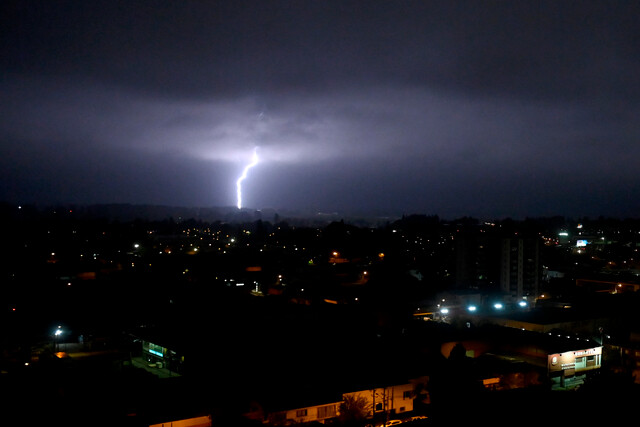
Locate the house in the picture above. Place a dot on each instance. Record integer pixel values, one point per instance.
(394, 399)
(388, 400)
(314, 413)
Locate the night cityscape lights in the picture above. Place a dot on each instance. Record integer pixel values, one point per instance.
(305, 213)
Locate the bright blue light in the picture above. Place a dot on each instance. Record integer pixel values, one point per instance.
(472, 308)
(157, 353)
(522, 303)
(498, 306)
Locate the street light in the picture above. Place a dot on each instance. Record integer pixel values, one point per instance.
(56, 335)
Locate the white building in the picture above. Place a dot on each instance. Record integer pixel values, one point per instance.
(318, 413)
(394, 399)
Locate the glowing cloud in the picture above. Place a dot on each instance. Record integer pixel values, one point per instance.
(254, 161)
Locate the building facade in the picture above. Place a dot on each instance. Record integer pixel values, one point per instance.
(520, 268)
(381, 402)
(392, 400)
(320, 413)
(162, 357)
(570, 367)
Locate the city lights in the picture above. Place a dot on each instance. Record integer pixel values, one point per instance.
(320, 213)
(350, 266)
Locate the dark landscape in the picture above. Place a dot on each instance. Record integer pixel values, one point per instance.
(274, 315)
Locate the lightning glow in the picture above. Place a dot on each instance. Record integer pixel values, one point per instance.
(254, 161)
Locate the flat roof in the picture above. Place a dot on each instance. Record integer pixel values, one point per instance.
(517, 339)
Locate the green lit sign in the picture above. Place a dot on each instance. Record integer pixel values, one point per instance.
(156, 349)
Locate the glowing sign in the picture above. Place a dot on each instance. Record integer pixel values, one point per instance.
(254, 161)
(575, 360)
(581, 243)
(155, 349)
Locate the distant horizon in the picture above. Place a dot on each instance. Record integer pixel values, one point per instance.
(309, 213)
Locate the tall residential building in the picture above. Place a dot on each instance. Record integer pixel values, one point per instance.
(520, 268)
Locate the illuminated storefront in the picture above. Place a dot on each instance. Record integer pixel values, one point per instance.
(162, 356)
(571, 366)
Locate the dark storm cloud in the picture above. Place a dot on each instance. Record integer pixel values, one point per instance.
(495, 108)
(200, 48)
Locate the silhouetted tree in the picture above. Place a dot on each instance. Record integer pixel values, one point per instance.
(354, 410)
(458, 353)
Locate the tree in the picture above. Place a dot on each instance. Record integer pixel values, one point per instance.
(354, 410)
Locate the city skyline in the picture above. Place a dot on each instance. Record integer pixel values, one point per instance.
(485, 109)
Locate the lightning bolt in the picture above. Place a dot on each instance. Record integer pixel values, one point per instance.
(254, 161)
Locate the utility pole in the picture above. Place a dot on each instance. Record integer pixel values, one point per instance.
(373, 407)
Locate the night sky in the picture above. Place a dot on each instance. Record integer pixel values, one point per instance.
(453, 108)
